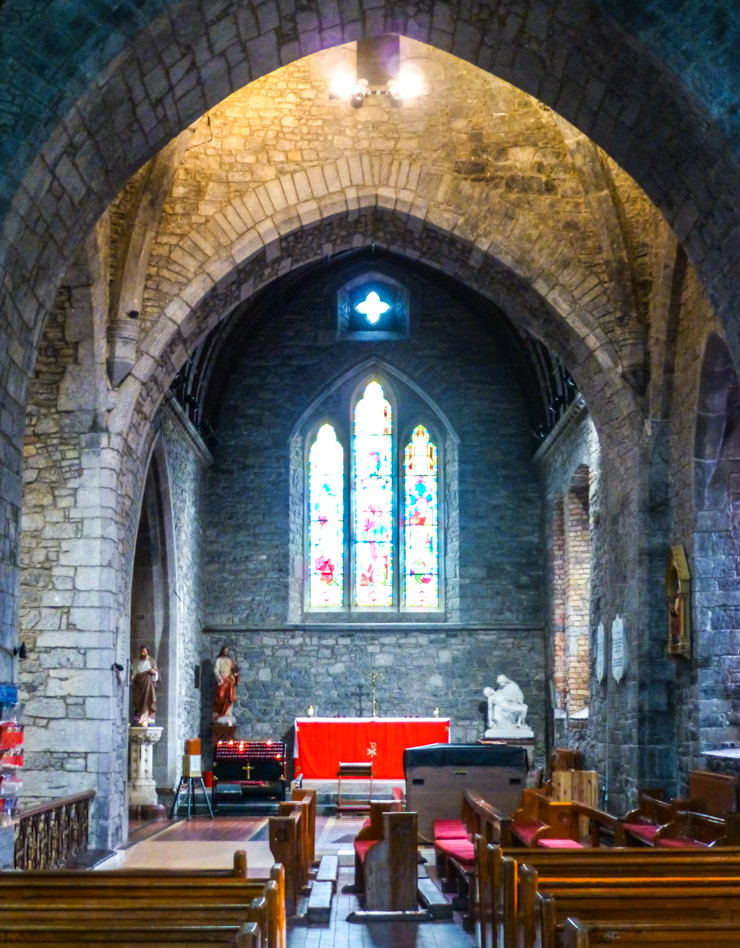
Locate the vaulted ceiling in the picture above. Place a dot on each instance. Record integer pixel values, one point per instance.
(473, 181)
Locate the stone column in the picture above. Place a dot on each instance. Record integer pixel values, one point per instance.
(142, 789)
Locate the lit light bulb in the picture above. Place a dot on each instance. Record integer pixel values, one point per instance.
(407, 86)
(342, 84)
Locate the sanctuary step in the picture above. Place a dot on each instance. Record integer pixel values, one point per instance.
(353, 792)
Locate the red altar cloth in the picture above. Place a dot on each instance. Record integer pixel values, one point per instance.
(321, 743)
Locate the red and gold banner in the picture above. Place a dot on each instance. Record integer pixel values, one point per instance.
(321, 743)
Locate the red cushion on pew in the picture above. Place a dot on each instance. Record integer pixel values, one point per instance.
(450, 829)
(526, 831)
(644, 831)
(462, 849)
(559, 844)
(362, 846)
(682, 842)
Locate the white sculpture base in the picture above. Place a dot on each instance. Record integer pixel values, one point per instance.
(512, 733)
(227, 719)
(142, 789)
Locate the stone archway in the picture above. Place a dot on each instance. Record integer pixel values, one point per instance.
(717, 548)
(153, 608)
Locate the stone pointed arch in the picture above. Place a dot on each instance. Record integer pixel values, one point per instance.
(716, 555)
(259, 220)
(557, 318)
(153, 600)
(165, 58)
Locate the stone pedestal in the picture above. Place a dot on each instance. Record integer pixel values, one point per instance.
(142, 790)
(528, 742)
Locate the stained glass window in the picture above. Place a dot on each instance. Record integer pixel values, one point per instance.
(392, 492)
(421, 553)
(373, 500)
(326, 520)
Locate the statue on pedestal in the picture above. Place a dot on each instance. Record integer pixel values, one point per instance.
(144, 677)
(226, 673)
(507, 711)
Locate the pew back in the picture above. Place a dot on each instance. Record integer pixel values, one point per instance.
(119, 905)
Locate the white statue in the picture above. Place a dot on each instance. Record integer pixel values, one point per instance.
(507, 711)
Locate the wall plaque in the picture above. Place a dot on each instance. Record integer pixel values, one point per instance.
(619, 649)
(600, 653)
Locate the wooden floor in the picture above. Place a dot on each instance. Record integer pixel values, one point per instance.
(210, 843)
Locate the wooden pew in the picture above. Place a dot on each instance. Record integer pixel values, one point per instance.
(112, 905)
(699, 830)
(455, 853)
(606, 899)
(371, 833)
(301, 794)
(390, 865)
(652, 811)
(667, 909)
(129, 930)
(717, 794)
(483, 819)
(541, 821)
(497, 875)
(688, 933)
(291, 846)
(460, 870)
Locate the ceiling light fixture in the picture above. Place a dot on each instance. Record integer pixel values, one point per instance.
(377, 72)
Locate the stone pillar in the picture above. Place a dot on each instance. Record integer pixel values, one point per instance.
(142, 789)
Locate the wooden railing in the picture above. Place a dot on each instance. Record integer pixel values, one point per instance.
(50, 834)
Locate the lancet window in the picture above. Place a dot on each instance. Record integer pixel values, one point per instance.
(373, 512)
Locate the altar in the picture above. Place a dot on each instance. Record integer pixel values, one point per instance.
(321, 743)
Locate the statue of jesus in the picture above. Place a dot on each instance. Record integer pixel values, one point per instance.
(226, 673)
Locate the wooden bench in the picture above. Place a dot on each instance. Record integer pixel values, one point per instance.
(140, 907)
(675, 903)
(130, 930)
(497, 874)
(292, 841)
(652, 811)
(596, 897)
(699, 831)
(370, 834)
(548, 823)
(390, 865)
(300, 794)
(455, 850)
(689, 932)
(717, 794)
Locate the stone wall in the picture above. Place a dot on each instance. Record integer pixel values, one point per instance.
(283, 671)
(498, 576)
(71, 611)
(705, 462)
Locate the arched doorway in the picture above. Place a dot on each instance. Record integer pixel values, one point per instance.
(153, 617)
